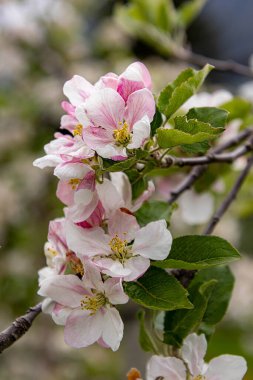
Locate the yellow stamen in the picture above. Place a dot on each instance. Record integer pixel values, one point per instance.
(122, 135)
(93, 303)
(119, 248)
(74, 182)
(78, 130)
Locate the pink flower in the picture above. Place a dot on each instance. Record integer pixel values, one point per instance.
(229, 367)
(113, 125)
(125, 251)
(86, 308)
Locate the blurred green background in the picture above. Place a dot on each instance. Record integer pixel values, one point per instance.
(43, 43)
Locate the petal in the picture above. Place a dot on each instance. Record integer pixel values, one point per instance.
(138, 72)
(79, 211)
(168, 368)
(124, 225)
(86, 242)
(114, 291)
(153, 241)
(116, 153)
(193, 352)
(60, 314)
(196, 208)
(229, 367)
(112, 267)
(122, 184)
(65, 193)
(50, 160)
(66, 290)
(112, 328)
(68, 171)
(82, 117)
(144, 196)
(141, 132)
(83, 329)
(77, 89)
(105, 108)
(137, 265)
(139, 104)
(109, 196)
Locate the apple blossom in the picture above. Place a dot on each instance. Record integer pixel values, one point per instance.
(229, 367)
(125, 251)
(86, 307)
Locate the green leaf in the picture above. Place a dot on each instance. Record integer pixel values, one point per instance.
(175, 94)
(189, 11)
(238, 108)
(168, 138)
(145, 339)
(198, 252)
(216, 117)
(153, 210)
(138, 182)
(158, 290)
(178, 324)
(219, 299)
(112, 166)
(156, 122)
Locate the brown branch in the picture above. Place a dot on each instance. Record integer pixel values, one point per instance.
(197, 171)
(230, 197)
(19, 327)
(220, 65)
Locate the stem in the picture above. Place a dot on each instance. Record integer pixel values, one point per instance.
(220, 65)
(19, 327)
(230, 197)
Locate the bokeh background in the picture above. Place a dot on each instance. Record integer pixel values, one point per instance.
(42, 44)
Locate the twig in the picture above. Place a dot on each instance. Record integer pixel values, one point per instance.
(197, 171)
(19, 327)
(230, 197)
(220, 65)
(210, 157)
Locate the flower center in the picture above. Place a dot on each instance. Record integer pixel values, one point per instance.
(93, 303)
(75, 264)
(119, 249)
(122, 135)
(74, 182)
(78, 130)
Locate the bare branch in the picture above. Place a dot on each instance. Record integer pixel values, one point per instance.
(197, 171)
(220, 65)
(19, 327)
(230, 197)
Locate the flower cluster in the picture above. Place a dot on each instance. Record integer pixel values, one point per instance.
(192, 366)
(98, 244)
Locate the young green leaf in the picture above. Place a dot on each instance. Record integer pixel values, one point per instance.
(158, 290)
(112, 166)
(145, 339)
(179, 323)
(189, 11)
(168, 138)
(216, 117)
(238, 108)
(198, 252)
(152, 211)
(156, 122)
(175, 94)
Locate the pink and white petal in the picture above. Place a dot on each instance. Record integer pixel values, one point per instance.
(168, 368)
(67, 290)
(82, 117)
(68, 122)
(79, 211)
(139, 104)
(126, 87)
(116, 153)
(77, 89)
(97, 137)
(109, 196)
(122, 224)
(144, 196)
(68, 170)
(153, 241)
(108, 80)
(105, 108)
(141, 132)
(83, 329)
(138, 266)
(111, 267)
(47, 305)
(60, 314)
(113, 328)
(138, 72)
(114, 291)
(193, 352)
(65, 193)
(122, 184)
(87, 241)
(229, 367)
(50, 160)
